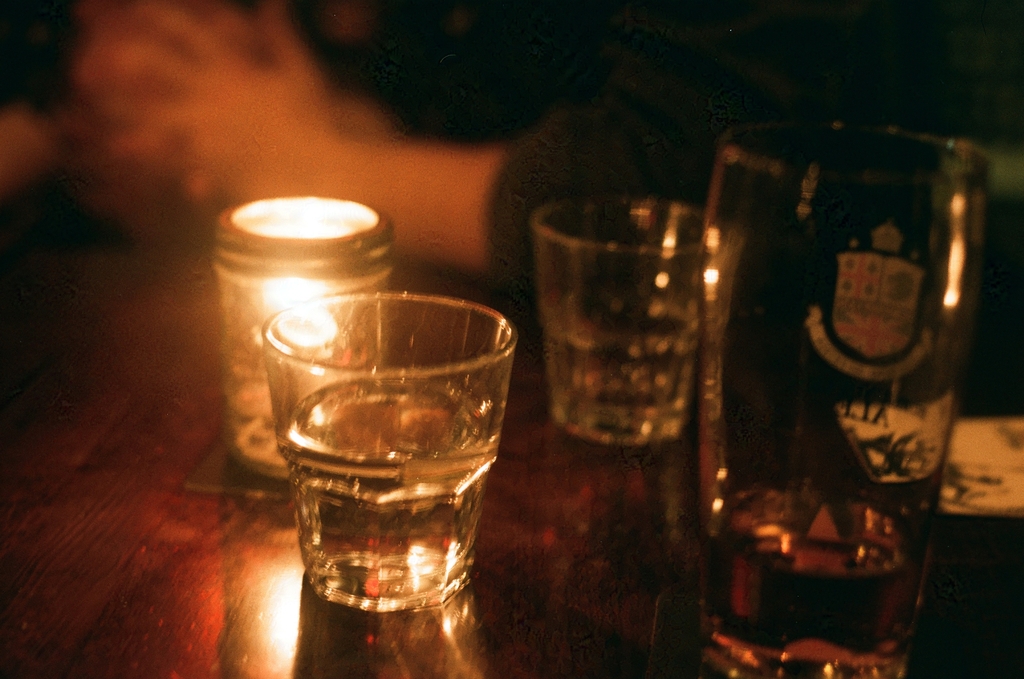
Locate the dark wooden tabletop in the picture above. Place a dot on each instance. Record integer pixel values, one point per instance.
(131, 548)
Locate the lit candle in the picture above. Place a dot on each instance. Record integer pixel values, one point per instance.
(271, 255)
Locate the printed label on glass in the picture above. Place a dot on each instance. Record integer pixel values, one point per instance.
(874, 311)
(896, 444)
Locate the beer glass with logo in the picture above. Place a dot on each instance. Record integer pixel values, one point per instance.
(841, 276)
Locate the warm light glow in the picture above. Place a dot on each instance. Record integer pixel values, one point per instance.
(661, 280)
(641, 214)
(318, 417)
(304, 218)
(711, 284)
(785, 543)
(957, 250)
(309, 326)
(671, 236)
(958, 205)
(282, 293)
(276, 630)
(419, 565)
(716, 505)
(712, 238)
(452, 557)
(283, 606)
(471, 479)
(956, 269)
(416, 558)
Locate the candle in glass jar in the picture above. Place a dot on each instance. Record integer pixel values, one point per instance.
(274, 254)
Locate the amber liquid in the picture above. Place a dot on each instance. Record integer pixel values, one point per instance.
(780, 602)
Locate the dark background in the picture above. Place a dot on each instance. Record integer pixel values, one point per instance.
(483, 69)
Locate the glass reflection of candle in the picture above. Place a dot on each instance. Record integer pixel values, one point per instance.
(315, 327)
(281, 293)
(271, 255)
(276, 628)
(263, 592)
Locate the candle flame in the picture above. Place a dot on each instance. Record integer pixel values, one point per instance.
(313, 218)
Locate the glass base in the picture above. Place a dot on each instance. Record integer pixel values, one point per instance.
(392, 584)
(618, 425)
(729, 658)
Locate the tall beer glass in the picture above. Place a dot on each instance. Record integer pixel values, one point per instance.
(840, 283)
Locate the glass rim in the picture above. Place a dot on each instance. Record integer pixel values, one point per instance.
(357, 251)
(948, 145)
(501, 324)
(541, 228)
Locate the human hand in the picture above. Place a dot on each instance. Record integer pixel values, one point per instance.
(206, 99)
(27, 148)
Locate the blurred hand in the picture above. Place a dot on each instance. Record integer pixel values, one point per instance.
(28, 148)
(204, 99)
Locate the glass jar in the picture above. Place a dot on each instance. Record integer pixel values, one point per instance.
(272, 254)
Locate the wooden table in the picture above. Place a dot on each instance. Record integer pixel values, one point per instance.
(117, 562)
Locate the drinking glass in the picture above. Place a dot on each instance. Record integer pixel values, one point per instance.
(840, 283)
(388, 409)
(618, 289)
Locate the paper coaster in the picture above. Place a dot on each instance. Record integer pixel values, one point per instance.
(984, 475)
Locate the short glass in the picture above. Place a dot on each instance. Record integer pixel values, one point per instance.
(618, 290)
(841, 281)
(388, 408)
